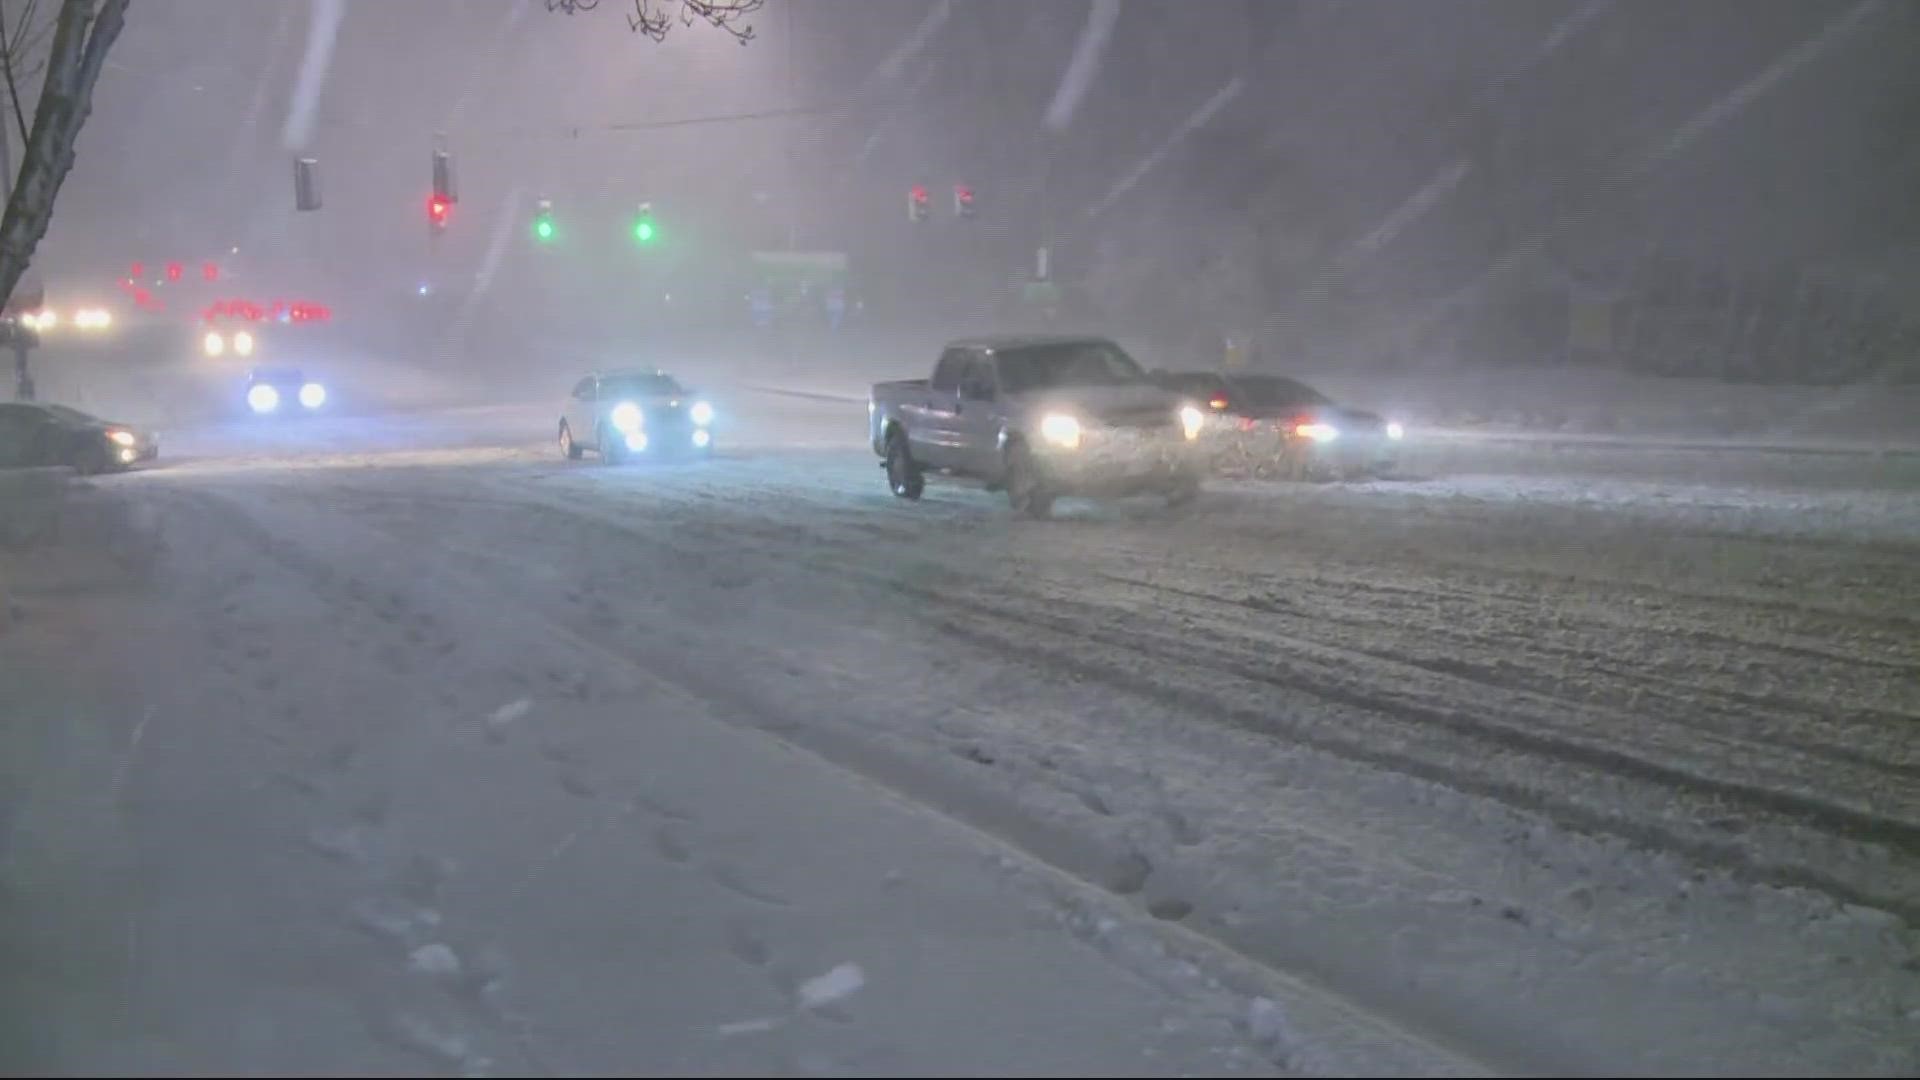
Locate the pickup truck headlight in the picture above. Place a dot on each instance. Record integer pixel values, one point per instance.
(1191, 421)
(625, 417)
(1060, 430)
(701, 413)
(121, 438)
(1317, 431)
(1395, 431)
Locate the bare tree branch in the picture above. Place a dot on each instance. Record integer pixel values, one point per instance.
(22, 48)
(29, 36)
(6, 69)
(81, 38)
(655, 18)
(21, 26)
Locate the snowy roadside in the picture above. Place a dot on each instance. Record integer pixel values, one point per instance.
(384, 828)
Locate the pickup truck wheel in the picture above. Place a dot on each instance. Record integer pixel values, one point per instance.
(1024, 491)
(903, 476)
(568, 448)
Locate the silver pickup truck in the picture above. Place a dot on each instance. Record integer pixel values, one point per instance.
(1038, 417)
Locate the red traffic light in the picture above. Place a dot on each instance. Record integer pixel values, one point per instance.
(963, 192)
(174, 271)
(919, 193)
(437, 208)
(209, 272)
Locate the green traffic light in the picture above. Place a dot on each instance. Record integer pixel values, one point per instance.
(643, 231)
(543, 229)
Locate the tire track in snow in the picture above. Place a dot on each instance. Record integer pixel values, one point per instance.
(1023, 634)
(1840, 818)
(1473, 666)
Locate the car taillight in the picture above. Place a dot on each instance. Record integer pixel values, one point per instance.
(1218, 403)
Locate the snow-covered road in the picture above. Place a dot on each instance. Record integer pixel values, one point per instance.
(1569, 760)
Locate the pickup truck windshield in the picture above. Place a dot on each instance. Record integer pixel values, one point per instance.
(1090, 363)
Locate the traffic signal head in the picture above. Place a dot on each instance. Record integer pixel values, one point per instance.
(438, 207)
(543, 227)
(443, 176)
(918, 204)
(962, 201)
(644, 231)
(306, 184)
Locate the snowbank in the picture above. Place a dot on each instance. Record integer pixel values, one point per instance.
(1588, 401)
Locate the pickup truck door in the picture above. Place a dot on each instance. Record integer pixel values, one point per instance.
(976, 422)
(931, 421)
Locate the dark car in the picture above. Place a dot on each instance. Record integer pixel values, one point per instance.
(1270, 425)
(623, 414)
(283, 389)
(35, 434)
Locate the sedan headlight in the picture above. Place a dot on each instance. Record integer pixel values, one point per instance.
(702, 413)
(213, 344)
(121, 438)
(313, 395)
(1317, 431)
(626, 416)
(1395, 431)
(263, 398)
(243, 343)
(1191, 421)
(1060, 430)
